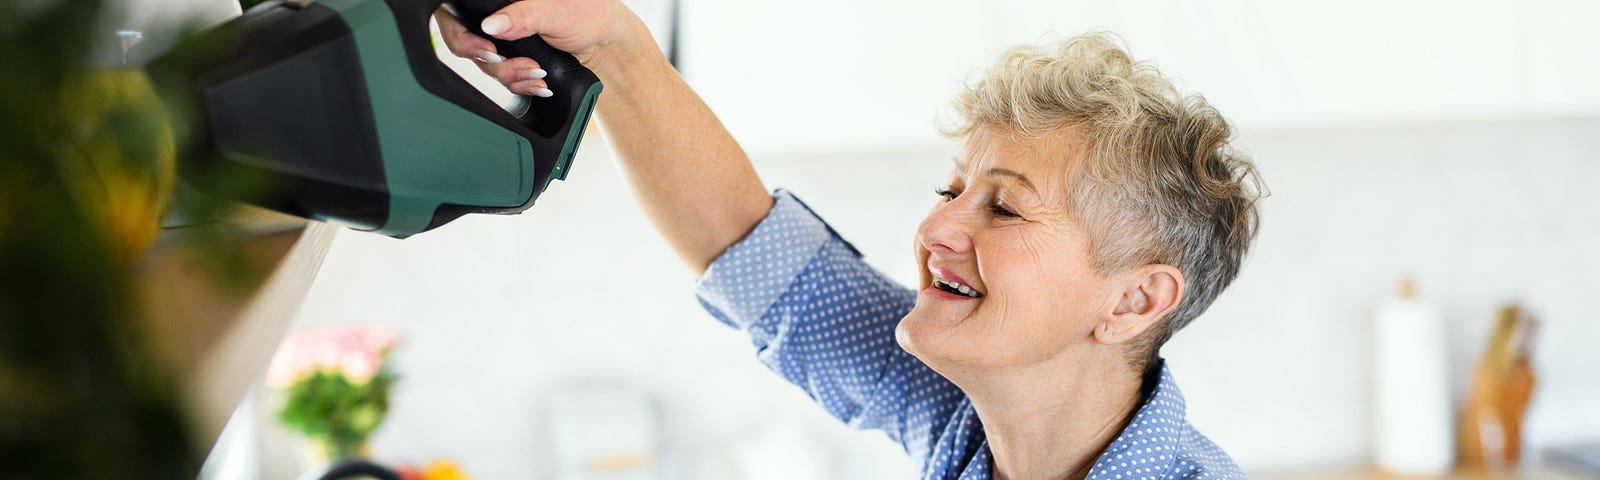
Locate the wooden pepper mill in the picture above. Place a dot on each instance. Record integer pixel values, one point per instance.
(1490, 437)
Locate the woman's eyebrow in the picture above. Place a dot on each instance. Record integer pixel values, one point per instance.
(962, 167)
(1017, 175)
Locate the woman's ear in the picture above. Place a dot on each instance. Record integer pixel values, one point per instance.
(1146, 294)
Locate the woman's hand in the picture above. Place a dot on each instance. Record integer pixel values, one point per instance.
(596, 32)
(693, 181)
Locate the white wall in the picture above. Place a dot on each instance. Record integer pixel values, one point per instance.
(792, 76)
(1481, 213)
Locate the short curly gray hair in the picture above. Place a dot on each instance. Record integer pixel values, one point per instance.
(1158, 183)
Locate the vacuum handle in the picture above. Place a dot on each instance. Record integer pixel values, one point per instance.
(568, 79)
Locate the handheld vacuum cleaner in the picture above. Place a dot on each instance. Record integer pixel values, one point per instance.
(343, 110)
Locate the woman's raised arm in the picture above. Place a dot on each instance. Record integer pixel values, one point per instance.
(689, 176)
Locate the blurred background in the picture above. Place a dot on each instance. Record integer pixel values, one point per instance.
(1454, 143)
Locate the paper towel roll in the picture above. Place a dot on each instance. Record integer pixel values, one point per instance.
(1412, 409)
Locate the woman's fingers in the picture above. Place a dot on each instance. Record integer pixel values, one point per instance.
(573, 26)
(463, 43)
(536, 88)
(520, 75)
(519, 19)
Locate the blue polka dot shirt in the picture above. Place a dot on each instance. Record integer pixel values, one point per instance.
(824, 320)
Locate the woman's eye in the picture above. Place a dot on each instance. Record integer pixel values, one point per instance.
(1002, 211)
(945, 192)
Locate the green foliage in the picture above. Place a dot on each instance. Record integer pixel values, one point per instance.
(327, 406)
(80, 397)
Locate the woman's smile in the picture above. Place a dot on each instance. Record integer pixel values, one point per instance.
(947, 282)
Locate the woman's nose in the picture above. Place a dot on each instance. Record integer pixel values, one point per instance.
(945, 230)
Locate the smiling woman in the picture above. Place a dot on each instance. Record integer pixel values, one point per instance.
(1092, 212)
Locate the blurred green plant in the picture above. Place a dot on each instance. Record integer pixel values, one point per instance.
(84, 169)
(336, 413)
(336, 386)
(86, 174)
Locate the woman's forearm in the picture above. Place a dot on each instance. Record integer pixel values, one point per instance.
(688, 174)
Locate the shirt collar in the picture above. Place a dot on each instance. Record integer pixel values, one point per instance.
(1152, 438)
(1150, 442)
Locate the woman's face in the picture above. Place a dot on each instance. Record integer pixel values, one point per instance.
(1001, 229)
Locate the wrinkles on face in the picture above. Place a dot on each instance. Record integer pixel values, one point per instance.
(1039, 245)
(1004, 308)
(1034, 266)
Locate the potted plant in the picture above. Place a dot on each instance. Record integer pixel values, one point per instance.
(335, 385)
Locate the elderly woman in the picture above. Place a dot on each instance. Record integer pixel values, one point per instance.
(1091, 212)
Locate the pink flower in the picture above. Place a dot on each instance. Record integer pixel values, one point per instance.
(381, 338)
(360, 366)
(323, 355)
(355, 352)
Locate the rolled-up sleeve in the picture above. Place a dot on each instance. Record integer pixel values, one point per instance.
(824, 319)
(747, 279)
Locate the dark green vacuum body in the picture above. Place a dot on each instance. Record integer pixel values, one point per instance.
(343, 112)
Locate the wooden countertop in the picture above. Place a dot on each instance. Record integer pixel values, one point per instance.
(221, 333)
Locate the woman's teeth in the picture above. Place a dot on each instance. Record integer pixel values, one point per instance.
(956, 287)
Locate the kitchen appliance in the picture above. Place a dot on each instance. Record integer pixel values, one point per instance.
(340, 110)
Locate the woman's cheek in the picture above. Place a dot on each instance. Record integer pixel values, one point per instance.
(1043, 267)
(1022, 256)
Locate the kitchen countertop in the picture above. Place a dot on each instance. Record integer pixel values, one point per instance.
(221, 334)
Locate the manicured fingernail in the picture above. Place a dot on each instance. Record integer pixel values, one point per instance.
(496, 24)
(533, 74)
(542, 92)
(486, 56)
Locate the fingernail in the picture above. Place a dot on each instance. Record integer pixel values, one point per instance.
(542, 92)
(486, 56)
(496, 24)
(533, 74)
